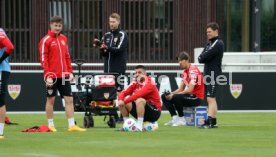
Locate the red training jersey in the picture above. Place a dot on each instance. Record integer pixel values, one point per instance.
(54, 55)
(6, 43)
(146, 89)
(194, 74)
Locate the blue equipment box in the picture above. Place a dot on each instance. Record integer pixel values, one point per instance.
(195, 116)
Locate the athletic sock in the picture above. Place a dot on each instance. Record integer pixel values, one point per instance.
(213, 121)
(71, 122)
(140, 123)
(51, 122)
(125, 118)
(2, 128)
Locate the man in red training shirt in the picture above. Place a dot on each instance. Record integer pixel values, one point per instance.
(6, 48)
(141, 99)
(56, 63)
(189, 94)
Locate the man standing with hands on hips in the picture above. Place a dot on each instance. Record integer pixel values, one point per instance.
(212, 59)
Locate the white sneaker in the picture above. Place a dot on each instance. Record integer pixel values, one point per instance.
(170, 123)
(179, 123)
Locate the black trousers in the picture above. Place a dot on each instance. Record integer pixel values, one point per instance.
(179, 101)
(4, 76)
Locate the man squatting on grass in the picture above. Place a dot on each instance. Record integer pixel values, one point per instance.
(189, 94)
(6, 48)
(211, 56)
(141, 99)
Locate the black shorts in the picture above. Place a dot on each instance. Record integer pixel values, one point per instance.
(210, 90)
(4, 76)
(211, 86)
(64, 88)
(152, 114)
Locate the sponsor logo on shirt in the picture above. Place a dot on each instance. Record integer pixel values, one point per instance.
(53, 43)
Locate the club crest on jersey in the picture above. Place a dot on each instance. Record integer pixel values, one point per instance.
(115, 40)
(236, 90)
(63, 42)
(107, 40)
(14, 91)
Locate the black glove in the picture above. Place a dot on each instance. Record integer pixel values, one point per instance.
(3, 57)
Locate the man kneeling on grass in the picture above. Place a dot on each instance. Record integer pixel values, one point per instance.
(141, 99)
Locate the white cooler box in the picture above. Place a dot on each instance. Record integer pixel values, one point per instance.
(195, 116)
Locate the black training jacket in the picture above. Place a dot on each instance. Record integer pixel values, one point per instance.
(115, 56)
(211, 56)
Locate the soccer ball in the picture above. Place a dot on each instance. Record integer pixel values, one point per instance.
(150, 126)
(130, 125)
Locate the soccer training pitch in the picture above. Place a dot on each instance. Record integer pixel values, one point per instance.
(239, 134)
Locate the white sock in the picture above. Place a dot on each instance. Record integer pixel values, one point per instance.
(71, 122)
(51, 122)
(2, 128)
(125, 118)
(140, 123)
(175, 118)
(63, 102)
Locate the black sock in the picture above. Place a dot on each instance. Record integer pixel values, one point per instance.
(207, 121)
(212, 121)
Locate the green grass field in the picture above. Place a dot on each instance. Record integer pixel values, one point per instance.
(239, 134)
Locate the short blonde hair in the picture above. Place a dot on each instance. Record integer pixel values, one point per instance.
(115, 16)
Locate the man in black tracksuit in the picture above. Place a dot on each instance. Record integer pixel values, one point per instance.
(113, 48)
(212, 59)
(115, 55)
